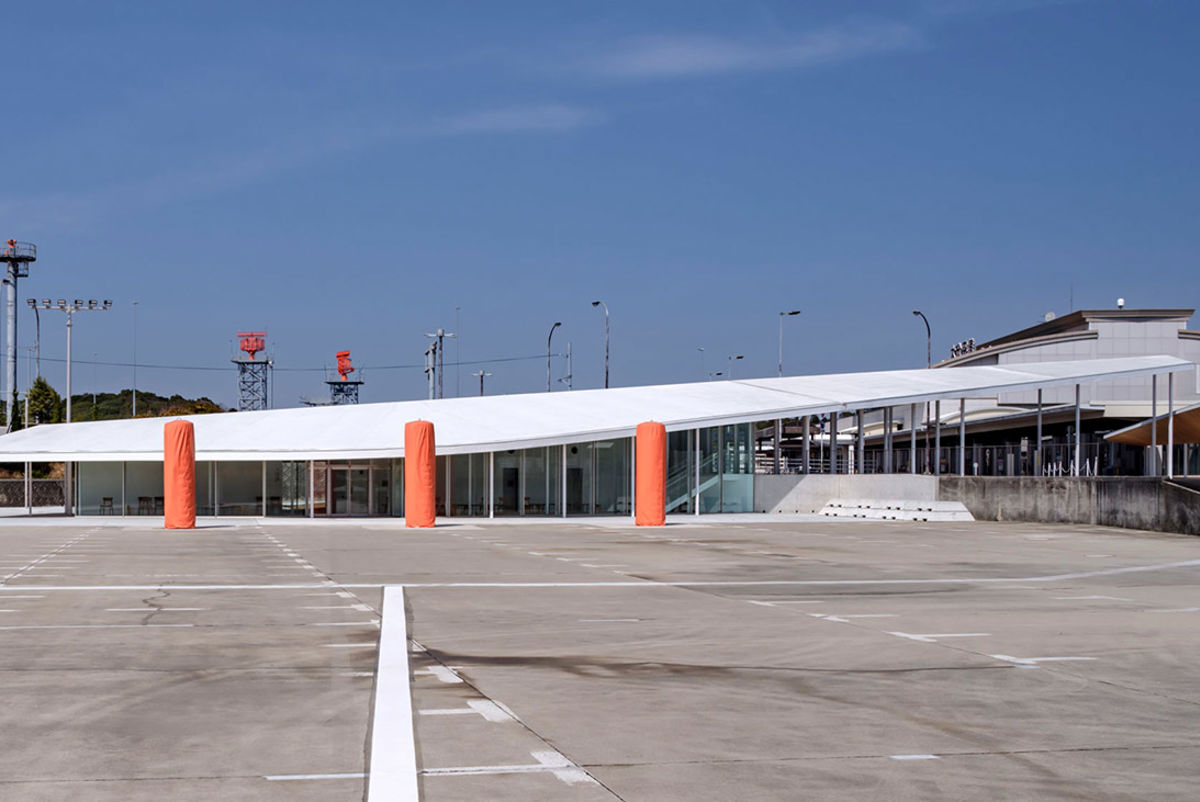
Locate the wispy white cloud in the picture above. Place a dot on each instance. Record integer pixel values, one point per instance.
(532, 119)
(684, 56)
(213, 174)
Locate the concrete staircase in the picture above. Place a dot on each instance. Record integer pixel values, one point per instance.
(876, 509)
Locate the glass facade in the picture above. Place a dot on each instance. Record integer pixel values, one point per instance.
(594, 478)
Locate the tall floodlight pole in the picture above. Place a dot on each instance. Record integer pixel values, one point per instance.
(782, 315)
(929, 364)
(17, 257)
(703, 372)
(70, 309)
(548, 339)
(601, 303)
(481, 374)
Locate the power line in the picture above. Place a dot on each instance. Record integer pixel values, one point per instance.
(209, 368)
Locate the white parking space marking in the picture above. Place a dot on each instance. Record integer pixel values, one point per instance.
(486, 708)
(393, 767)
(1091, 598)
(914, 757)
(96, 626)
(548, 761)
(934, 637)
(350, 645)
(609, 620)
(352, 775)
(1177, 610)
(374, 622)
(155, 609)
(845, 619)
(443, 674)
(1030, 661)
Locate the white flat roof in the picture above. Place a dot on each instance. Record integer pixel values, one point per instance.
(499, 423)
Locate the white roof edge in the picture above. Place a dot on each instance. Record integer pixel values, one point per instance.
(501, 423)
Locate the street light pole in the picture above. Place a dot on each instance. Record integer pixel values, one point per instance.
(480, 373)
(782, 315)
(928, 338)
(929, 364)
(548, 339)
(732, 359)
(703, 372)
(601, 303)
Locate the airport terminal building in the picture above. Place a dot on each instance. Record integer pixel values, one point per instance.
(539, 454)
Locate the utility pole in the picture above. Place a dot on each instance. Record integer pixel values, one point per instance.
(17, 256)
(439, 337)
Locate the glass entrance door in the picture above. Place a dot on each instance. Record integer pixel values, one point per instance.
(349, 491)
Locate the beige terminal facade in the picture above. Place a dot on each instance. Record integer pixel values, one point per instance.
(543, 454)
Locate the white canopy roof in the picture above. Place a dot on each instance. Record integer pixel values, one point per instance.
(497, 423)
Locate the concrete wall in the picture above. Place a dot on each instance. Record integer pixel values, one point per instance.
(798, 493)
(1130, 502)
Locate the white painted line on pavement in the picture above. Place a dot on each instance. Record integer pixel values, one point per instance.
(933, 637)
(1030, 661)
(609, 620)
(1090, 598)
(548, 761)
(291, 777)
(914, 757)
(393, 762)
(154, 609)
(349, 645)
(443, 673)
(97, 626)
(1177, 610)
(374, 622)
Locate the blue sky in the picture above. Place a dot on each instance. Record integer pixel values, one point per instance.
(346, 175)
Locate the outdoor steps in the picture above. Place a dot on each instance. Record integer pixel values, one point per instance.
(877, 509)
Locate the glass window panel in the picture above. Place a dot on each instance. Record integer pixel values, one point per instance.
(681, 471)
(460, 484)
(710, 470)
(508, 482)
(398, 486)
(612, 477)
(287, 488)
(320, 488)
(204, 489)
(381, 490)
(440, 499)
(737, 470)
(360, 491)
(579, 479)
(99, 488)
(239, 487)
(537, 482)
(144, 488)
(480, 481)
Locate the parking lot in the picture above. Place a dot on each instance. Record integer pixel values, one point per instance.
(713, 659)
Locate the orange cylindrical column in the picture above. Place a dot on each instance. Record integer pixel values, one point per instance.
(179, 475)
(420, 474)
(651, 473)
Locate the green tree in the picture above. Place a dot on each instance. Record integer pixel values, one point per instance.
(45, 404)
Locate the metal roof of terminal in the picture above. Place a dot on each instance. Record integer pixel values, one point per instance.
(498, 423)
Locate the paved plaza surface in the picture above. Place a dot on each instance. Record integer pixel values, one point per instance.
(720, 659)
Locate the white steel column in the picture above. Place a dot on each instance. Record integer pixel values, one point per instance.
(29, 485)
(491, 482)
(833, 443)
(861, 442)
(563, 490)
(312, 487)
(778, 440)
(912, 438)
(887, 440)
(962, 437)
(1037, 453)
(807, 435)
(696, 505)
(263, 472)
(1170, 425)
(1078, 436)
(633, 477)
(937, 438)
(1154, 423)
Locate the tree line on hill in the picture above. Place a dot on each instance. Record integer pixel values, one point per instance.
(47, 406)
